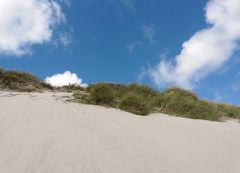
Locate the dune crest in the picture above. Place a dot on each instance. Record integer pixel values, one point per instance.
(44, 133)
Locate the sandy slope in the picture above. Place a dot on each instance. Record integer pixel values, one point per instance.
(40, 133)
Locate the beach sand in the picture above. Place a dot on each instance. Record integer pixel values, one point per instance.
(44, 133)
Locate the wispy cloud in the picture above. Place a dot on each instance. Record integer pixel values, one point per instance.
(207, 50)
(223, 70)
(218, 97)
(130, 4)
(236, 84)
(133, 45)
(149, 32)
(28, 23)
(65, 39)
(64, 79)
(236, 87)
(67, 2)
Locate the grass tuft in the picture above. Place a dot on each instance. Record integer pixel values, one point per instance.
(143, 100)
(230, 111)
(1, 71)
(173, 92)
(134, 103)
(102, 94)
(21, 81)
(134, 98)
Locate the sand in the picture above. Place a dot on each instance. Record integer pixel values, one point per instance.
(43, 133)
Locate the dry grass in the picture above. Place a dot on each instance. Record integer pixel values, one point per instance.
(143, 100)
(134, 98)
(21, 81)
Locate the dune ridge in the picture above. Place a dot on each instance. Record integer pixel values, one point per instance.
(134, 98)
(44, 133)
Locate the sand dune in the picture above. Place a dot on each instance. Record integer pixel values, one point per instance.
(42, 133)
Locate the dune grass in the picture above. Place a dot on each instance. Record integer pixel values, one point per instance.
(21, 81)
(143, 100)
(138, 99)
(132, 98)
(26, 82)
(1, 71)
(230, 111)
(135, 104)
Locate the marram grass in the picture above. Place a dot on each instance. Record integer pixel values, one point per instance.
(143, 100)
(134, 98)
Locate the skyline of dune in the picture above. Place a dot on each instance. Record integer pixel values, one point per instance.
(119, 86)
(44, 133)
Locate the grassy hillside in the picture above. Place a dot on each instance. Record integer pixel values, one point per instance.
(21, 81)
(143, 100)
(134, 98)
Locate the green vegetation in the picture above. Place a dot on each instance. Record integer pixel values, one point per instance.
(68, 88)
(135, 104)
(182, 102)
(21, 81)
(102, 95)
(229, 110)
(26, 82)
(143, 100)
(1, 71)
(134, 98)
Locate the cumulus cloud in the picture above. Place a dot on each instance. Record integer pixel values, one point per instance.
(27, 23)
(207, 50)
(64, 79)
(149, 32)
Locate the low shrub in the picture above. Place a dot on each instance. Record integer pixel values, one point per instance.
(204, 110)
(81, 96)
(142, 90)
(101, 94)
(135, 104)
(69, 88)
(230, 111)
(181, 93)
(19, 77)
(1, 71)
(143, 100)
(47, 86)
(134, 98)
(186, 104)
(131, 98)
(21, 81)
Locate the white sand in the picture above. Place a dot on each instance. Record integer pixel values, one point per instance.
(40, 133)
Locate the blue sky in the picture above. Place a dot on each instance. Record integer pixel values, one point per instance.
(128, 41)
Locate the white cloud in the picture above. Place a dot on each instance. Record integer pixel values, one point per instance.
(132, 46)
(64, 79)
(149, 32)
(207, 50)
(64, 39)
(236, 87)
(130, 4)
(67, 2)
(218, 97)
(27, 23)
